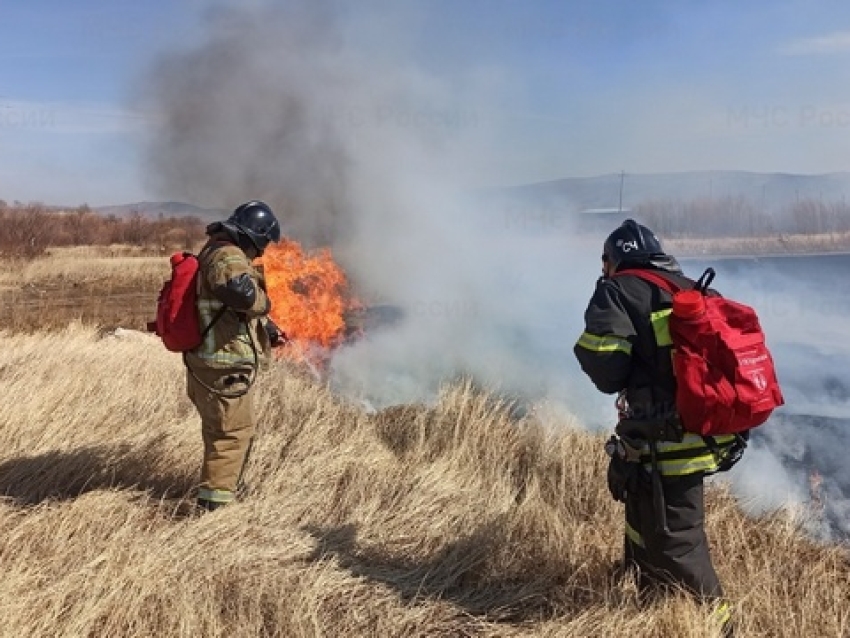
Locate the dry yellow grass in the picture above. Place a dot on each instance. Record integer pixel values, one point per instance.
(115, 266)
(769, 245)
(449, 520)
(109, 286)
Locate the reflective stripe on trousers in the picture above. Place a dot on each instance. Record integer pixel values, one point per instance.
(688, 456)
(216, 496)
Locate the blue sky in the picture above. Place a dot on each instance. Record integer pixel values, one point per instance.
(583, 88)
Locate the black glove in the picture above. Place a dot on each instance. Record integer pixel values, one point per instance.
(277, 337)
(621, 477)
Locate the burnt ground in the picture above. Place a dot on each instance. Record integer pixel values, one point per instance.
(32, 308)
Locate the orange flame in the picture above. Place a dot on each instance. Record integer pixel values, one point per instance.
(310, 298)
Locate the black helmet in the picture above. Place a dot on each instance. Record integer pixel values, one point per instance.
(256, 221)
(631, 242)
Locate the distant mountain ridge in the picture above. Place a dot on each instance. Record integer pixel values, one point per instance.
(769, 190)
(155, 209)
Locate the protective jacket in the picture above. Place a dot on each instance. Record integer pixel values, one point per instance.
(626, 347)
(232, 294)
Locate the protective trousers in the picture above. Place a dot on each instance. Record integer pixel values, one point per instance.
(680, 555)
(227, 427)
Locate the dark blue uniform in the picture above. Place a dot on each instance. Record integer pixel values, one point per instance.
(626, 348)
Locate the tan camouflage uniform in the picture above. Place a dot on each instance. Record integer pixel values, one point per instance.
(220, 372)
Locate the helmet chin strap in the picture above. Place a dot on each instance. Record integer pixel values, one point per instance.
(248, 246)
(246, 242)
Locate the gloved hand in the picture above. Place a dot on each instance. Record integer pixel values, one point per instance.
(277, 337)
(623, 468)
(620, 476)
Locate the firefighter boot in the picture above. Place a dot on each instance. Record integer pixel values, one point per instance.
(208, 505)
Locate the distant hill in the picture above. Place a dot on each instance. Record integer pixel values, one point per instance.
(155, 209)
(770, 191)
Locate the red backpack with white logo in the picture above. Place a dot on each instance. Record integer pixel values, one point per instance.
(725, 377)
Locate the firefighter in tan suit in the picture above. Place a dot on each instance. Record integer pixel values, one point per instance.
(233, 307)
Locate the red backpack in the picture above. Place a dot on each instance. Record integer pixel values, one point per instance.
(725, 378)
(177, 321)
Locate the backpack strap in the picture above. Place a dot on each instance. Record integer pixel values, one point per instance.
(726, 459)
(210, 248)
(651, 277)
(705, 280)
(702, 284)
(212, 323)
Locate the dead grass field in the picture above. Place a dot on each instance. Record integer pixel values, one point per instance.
(445, 520)
(774, 245)
(114, 286)
(452, 520)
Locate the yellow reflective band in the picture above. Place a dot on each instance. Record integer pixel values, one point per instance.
(605, 343)
(689, 441)
(704, 463)
(692, 441)
(722, 613)
(661, 327)
(633, 536)
(216, 496)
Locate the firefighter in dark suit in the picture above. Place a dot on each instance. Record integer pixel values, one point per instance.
(656, 468)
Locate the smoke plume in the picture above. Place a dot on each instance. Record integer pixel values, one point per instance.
(332, 117)
(357, 145)
(242, 118)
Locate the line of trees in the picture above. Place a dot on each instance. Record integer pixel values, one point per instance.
(27, 230)
(740, 217)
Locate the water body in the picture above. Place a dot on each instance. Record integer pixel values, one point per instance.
(799, 456)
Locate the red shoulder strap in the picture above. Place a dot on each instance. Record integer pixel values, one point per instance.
(651, 277)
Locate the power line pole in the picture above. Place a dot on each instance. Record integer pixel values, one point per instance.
(622, 178)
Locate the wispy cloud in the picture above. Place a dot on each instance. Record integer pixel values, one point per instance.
(832, 43)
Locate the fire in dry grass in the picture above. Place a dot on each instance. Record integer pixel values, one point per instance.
(310, 299)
